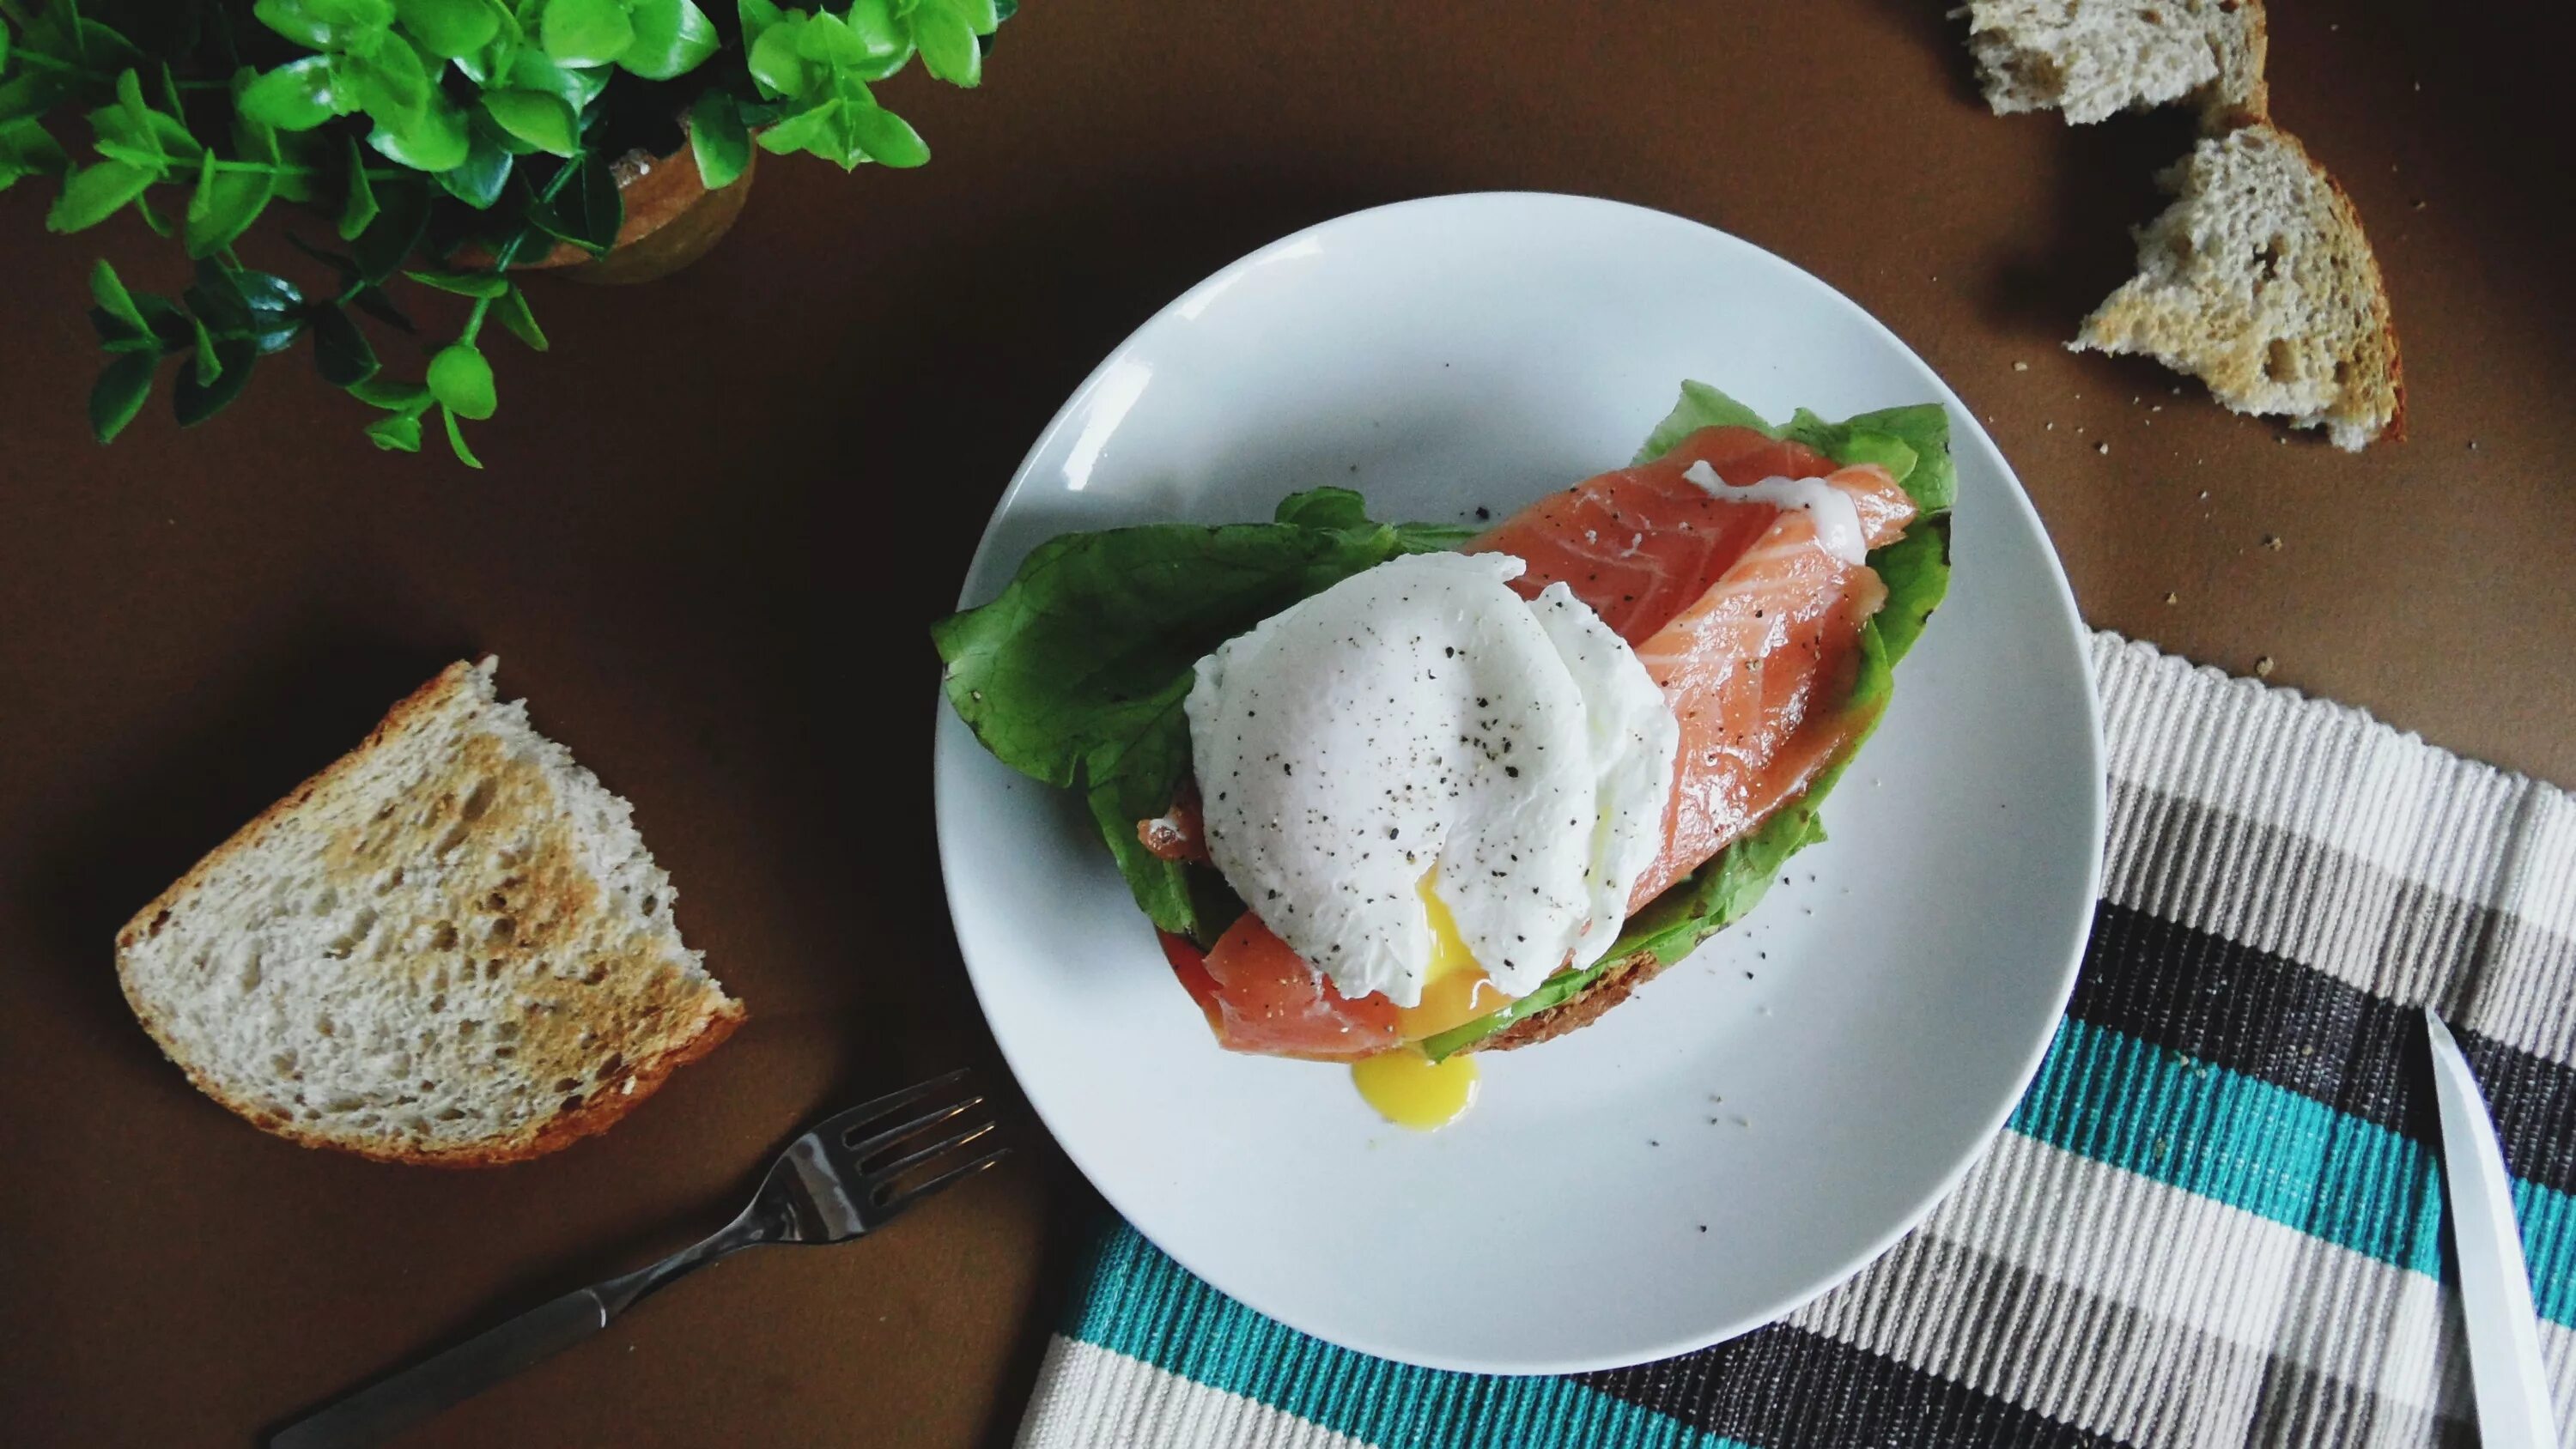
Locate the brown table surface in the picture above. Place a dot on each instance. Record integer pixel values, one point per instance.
(719, 513)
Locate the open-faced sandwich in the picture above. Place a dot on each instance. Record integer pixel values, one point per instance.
(1394, 793)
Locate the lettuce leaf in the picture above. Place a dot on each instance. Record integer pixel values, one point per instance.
(1075, 674)
(1913, 444)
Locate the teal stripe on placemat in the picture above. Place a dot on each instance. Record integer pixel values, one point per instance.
(2223, 1135)
(1134, 1300)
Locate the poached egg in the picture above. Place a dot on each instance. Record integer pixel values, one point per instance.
(1417, 773)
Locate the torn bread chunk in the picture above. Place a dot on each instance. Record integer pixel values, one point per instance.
(2259, 282)
(2092, 58)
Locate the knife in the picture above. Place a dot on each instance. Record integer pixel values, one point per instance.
(2495, 1286)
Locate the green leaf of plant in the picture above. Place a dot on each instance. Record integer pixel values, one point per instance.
(450, 28)
(272, 308)
(117, 335)
(120, 392)
(513, 314)
(456, 439)
(358, 208)
(478, 180)
(392, 83)
(94, 193)
(756, 16)
(541, 120)
(299, 95)
(531, 71)
(436, 141)
(224, 205)
(195, 399)
(947, 44)
(204, 365)
(326, 24)
(385, 392)
(397, 434)
(108, 290)
(389, 240)
(718, 139)
(340, 351)
(886, 44)
(464, 284)
(460, 377)
(587, 212)
(672, 38)
(266, 292)
(873, 22)
(888, 138)
(374, 302)
(305, 159)
(778, 64)
(172, 328)
(981, 16)
(215, 297)
(827, 40)
(586, 32)
(815, 129)
(28, 149)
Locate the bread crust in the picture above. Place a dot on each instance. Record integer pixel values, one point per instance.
(596, 1112)
(2394, 430)
(1614, 986)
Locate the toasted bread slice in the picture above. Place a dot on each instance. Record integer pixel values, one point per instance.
(449, 947)
(2259, 281)
(2092, 58)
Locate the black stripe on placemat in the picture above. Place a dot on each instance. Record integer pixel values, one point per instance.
(2299, 1028)
(1784, 1386)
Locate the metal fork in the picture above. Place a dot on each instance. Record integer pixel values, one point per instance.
(850, 1175)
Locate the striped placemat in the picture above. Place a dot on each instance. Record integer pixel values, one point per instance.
(2215, 1219)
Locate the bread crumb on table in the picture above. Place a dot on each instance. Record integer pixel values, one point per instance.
(2263, 667)
(2021, 367)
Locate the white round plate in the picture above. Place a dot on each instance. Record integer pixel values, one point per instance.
(1765, 1117)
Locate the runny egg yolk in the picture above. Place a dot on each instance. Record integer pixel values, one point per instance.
(1455, 990)
(1405, 1086)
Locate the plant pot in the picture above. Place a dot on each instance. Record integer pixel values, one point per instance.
(671, 221)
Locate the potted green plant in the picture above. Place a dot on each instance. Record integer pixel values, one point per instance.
(445, 144)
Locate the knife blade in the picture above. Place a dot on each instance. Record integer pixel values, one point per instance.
(2495, 1285)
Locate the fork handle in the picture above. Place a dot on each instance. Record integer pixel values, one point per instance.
(389, 1406)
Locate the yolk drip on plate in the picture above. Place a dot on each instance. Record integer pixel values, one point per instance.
(1411, 1090)
(1405, 1086)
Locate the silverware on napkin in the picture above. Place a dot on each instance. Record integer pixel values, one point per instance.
(2495, 1286)
(849, 1175)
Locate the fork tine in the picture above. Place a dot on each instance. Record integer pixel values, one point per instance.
(959, 1138)
(906, 1199)
(839, 1124)
(879, 1141)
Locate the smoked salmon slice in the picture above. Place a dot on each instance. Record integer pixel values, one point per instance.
(1750, 627)
(1755, 671)
(1642, 544)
